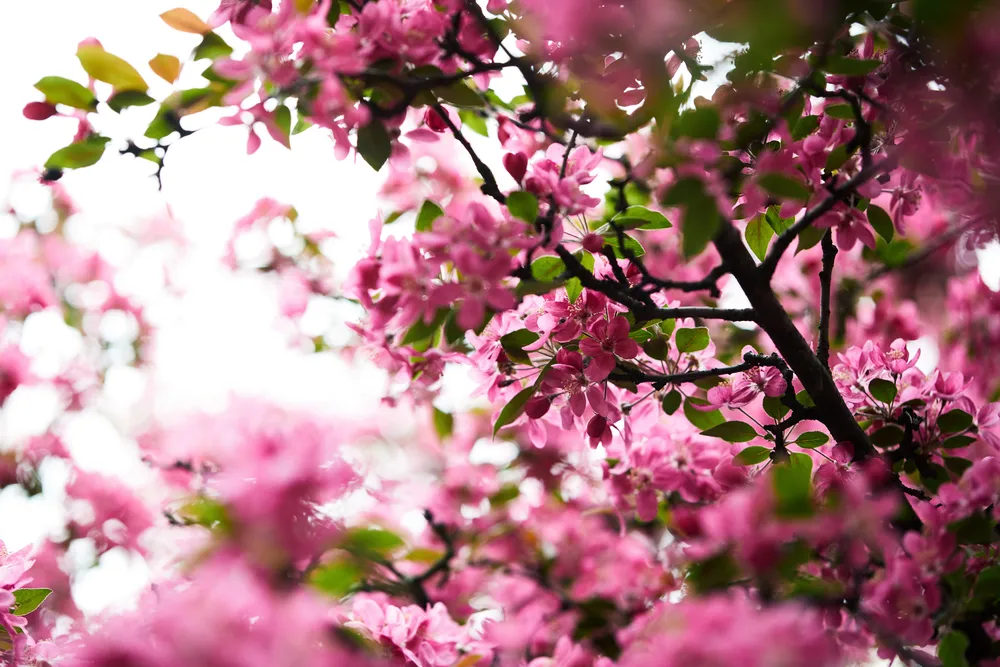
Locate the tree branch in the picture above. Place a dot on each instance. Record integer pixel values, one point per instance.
(825, 281)
(774, 320)
(660, 381)
(489, 186)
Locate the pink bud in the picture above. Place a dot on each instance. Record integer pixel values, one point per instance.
(91, 41)
(516, 165)
(537, 407)
(39, 110)
(593, 243)
(434, 121)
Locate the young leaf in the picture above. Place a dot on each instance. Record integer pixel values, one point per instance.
(702, 419)
(951, 650)
(58, 90)
(640, 217)
(751, 456)
(27, 600)
(185, 21)
(547, 269)
(793, 486)
(758, 235)
(429, 212)
(373, 144)
(671, 402)
(444, 423)
(812, 440)
(513, 344)
(338, 578)
(954, 421)
(881, 222)
(211, 47)
(513, 409)
(129, 98)
(734, 431)
(371, 542)
(109, 68)
(692, 340)
(166, 67)
(76, 156)
(523, 205)
(958, 441)
(773, 407)
(783, 186)
(882, 390)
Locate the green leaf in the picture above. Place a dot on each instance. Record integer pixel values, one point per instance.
(805, 399)
(513, 344)
(548, 268)
(977, 528)
(958, 441)
(374, 144)
(429, 212)
(702, 419)
(839, 65)
(954, 421)
(371, 542)
(473, 121)
(640, 217)
(734, 431)
(956, 464)
(783, 186)
(988, 585)
(671, 402)
(702, 123)
(444, 423)
(887, 436)
(421, 331)
(459, 94)
(804, 127)
(513, 409)
(27, 600)
(951, 649)
(129, 98)
(206, 512)
(523, 205)
(812, 440)
(701, 216)
(58, 90)
(103, 66)
(76, 156)
(758, 234)
(778, 224)
(881, 222)
(712, 574)
(507, 493)
(808, 238)
(630, 244)
(793, 486)
(839, 111)
(337, 579)
(882, 390)
(283, 119)
(773, 407)
(692, 340)
(751, 456)
(574, 288)
(212, 47)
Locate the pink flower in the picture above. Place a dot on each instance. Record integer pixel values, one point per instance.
(608, 340)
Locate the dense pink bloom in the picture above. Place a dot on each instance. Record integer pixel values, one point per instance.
(608, 339)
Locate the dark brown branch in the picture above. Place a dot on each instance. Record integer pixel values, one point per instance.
(659, 381)
(774, 320)
(825, 281)
(489, 186)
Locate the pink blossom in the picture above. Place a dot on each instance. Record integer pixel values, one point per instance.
(608, 340)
